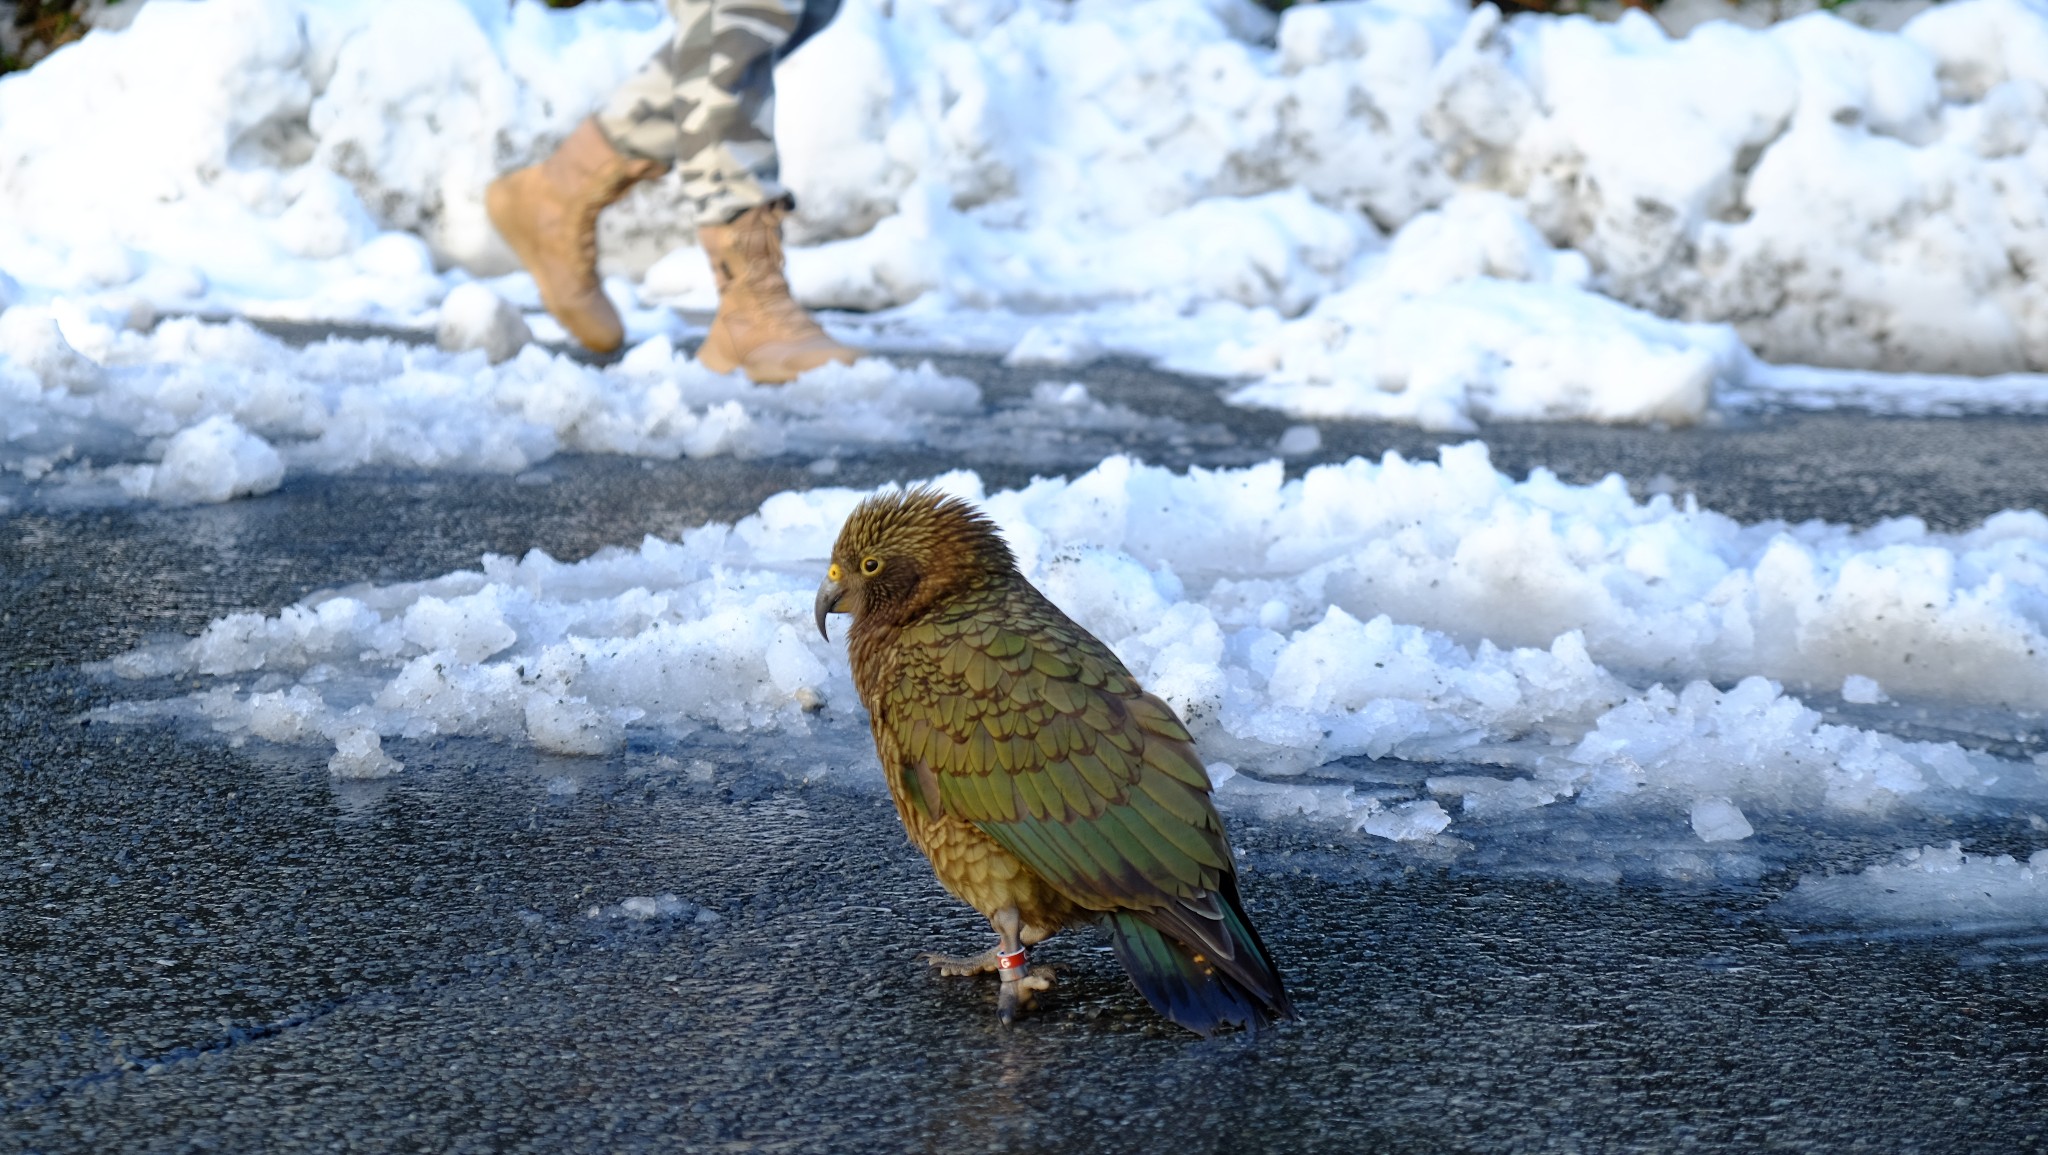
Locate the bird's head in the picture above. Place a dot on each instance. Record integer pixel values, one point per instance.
(899, 554)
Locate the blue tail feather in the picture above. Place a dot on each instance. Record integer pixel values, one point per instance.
(1198, 992)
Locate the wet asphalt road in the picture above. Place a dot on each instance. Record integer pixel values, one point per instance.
(205, 948)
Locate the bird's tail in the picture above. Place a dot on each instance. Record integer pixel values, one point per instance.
(1193, 989)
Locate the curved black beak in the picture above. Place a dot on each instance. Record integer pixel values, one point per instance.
(828, 602)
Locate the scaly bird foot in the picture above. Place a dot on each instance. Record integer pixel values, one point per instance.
(1019, 995)
(956, 966)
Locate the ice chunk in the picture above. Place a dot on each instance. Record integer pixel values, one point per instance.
(216, 460)
(32, 341)
(1719, 820)
(1408, 822)
(1488, 797)
(1043, 346)
(1300, 440)
(473, 317)
(792, 666)
(469, 628)
(359, 753)
(683, 279)
(1862, 691)
(563, 725)
(287, 716)
(644, 908)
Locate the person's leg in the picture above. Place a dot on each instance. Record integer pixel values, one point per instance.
(710, 94)
(548, 212)
(639, 118)
(707, 104)
(724, 105)
(725, 124)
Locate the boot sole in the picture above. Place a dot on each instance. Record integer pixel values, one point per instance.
(720, 363)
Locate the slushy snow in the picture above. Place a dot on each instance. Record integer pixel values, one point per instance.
(194, 411)
(1539, 645)
(1404, 209)
(1932, 887)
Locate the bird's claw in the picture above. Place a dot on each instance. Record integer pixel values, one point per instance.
(961, 966)
(1019, 994)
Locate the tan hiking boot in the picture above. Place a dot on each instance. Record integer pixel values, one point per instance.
(548, 213)
(759, 328)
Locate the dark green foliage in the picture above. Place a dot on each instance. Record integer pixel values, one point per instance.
(40, 27)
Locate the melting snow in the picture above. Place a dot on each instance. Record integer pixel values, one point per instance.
(1931, 887)
(225, 410)
(1542, 646)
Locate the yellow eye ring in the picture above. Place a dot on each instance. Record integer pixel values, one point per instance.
(833, 573)
(871, 566)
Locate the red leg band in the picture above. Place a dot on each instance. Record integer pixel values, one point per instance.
(1010, 965)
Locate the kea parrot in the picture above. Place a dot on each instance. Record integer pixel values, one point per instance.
(1047, 788)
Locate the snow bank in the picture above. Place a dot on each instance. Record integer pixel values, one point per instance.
(1929, 887)
(1575, 209)
(1836, 195)
(1840, 196)
(205, 412)
(1438, 613)
(292, 158)
(1469, 314)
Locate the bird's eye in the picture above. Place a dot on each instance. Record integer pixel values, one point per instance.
(871, 566)
(833, 573)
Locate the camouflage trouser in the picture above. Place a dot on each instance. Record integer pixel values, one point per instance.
(706, 103)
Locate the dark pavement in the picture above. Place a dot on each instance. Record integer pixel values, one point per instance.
(215, 949)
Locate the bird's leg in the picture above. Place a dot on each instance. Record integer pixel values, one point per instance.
(988, 961)
(1021, 981)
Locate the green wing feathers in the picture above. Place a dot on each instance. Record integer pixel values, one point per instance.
(1027, 726)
